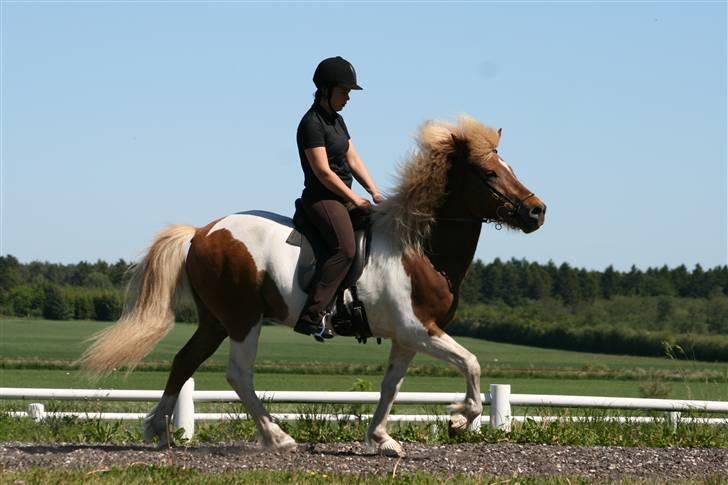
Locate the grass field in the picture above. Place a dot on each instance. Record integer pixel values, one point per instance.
(41, 353)
(287, 361)
(213, 380)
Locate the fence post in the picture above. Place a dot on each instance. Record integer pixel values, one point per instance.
(36, 411)
(500, 406)
(184, 410)
(673, 418)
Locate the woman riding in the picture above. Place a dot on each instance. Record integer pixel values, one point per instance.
(329, 160)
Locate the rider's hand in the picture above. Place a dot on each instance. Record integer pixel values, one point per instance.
(377, 198)
(362, 203)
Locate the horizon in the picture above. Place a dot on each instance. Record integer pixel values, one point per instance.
(690, 269)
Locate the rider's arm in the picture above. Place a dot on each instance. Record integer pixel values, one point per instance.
(320, 165)
(359, 170)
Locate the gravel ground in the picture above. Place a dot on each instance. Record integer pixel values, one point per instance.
(502, 459)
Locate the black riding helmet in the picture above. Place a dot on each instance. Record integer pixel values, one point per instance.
(335, 71)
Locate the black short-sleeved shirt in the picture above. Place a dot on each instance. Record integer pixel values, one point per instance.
(321, 129)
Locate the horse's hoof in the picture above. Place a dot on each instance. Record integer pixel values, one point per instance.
(285, 444)
(163, 445)
(457, 425)
(392, 448)
(288, 444)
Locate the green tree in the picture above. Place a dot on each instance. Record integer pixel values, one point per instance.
(56, 307)
(538, 282)
(107, 306)
(470, 289)
(589, 288)
(665, 307)
(567, 284)
(610, 282)
(25, 301)
(717, 314)
(493, 280)
(9, 272)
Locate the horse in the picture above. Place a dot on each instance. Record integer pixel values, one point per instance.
(240, 271)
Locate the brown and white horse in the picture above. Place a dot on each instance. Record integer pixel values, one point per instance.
(240, 271)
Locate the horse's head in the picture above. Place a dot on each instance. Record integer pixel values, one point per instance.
(457, 174)
(481, 185)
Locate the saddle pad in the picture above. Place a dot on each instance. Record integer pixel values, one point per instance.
(306, 267)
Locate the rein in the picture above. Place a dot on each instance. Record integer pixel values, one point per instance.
(498, 220)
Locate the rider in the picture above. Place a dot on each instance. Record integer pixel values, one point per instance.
(329, 160)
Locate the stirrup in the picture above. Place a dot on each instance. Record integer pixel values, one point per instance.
(319, 332)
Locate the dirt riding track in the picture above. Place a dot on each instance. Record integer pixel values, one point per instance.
(503, 459)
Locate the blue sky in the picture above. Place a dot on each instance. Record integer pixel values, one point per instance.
(119, 118)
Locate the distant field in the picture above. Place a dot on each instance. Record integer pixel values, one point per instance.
(45, 341)
(50, 340)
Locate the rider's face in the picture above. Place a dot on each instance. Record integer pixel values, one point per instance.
(339, 97)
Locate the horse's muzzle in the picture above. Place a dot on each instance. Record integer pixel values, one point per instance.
(532, 214)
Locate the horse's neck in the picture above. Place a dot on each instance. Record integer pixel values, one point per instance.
(451, 247)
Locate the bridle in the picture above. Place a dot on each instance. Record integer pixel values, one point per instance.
(498, 221)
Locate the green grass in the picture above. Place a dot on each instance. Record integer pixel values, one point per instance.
(334, 382)
(50, 340)
(164, 474)
(597, 431)
(38, 353)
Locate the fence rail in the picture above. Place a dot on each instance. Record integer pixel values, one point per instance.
(499, 398)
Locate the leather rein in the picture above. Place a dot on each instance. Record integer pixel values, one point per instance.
(499, 219)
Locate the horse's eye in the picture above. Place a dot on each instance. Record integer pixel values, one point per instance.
(490, 174)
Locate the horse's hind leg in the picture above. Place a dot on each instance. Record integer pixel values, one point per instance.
(377, 436)
(206, 339)
(240, 377)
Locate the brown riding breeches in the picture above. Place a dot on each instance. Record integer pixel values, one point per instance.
(332, 221)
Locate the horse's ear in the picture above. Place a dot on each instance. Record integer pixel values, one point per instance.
(460, 147)
(500, 130)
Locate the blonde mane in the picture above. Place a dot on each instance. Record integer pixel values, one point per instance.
(409, 212)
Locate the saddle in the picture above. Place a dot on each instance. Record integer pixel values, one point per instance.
(348, 317)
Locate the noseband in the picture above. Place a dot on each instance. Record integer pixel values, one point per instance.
(504, 199)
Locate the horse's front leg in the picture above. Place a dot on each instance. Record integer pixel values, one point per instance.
(441, 346)
(240, 377)
(377, 436)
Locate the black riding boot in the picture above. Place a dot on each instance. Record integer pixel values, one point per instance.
(319, 330)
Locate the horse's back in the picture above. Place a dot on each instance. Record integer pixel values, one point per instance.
(271, 216)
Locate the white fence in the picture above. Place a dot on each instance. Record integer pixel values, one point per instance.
(499, 398)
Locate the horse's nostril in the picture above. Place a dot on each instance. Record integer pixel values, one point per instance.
(537, 211)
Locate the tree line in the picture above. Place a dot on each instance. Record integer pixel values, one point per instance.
(634, 312)
(517, 280)
(37, 288)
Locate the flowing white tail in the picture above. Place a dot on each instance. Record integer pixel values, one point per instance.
(148, 314)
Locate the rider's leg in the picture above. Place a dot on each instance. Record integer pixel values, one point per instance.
(332, 221)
